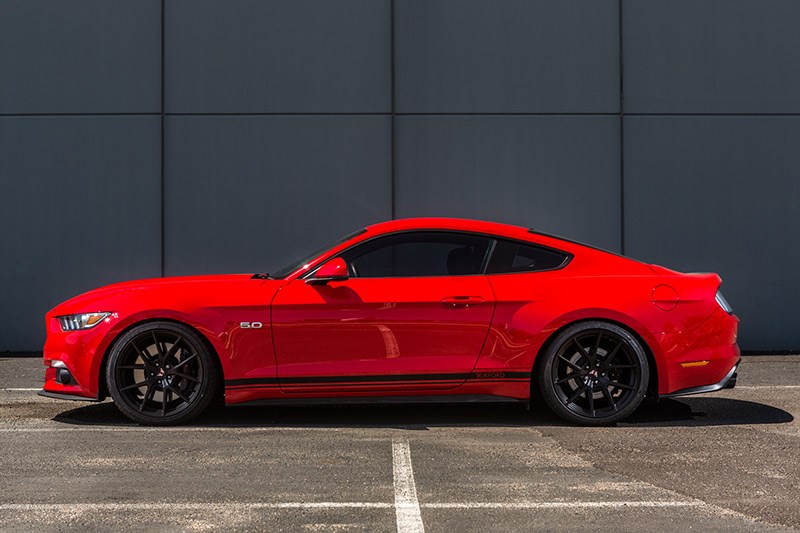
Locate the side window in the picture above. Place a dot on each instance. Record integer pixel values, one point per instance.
(511, 256)
(421, 253)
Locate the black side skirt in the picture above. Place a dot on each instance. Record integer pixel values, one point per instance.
(384, 400)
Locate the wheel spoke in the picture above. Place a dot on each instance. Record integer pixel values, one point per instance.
(148, 395)
(574, 375)
(576, 395)
(608, 396)
(144, 355)
(593, 351)
(179, 394)
(590, 397)
(570, 363)
(184, 376)
(176, 367)
(164, 394)
(620, 385)
(580, 348)
(174, 348)
(159, 348)
(134, 386)
(134, 367)
(610, 357)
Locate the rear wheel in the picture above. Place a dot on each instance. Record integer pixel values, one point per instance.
(161, 373)
(594, 373)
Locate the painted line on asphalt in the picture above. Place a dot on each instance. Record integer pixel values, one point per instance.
(754, 387)
(189, 506)
(200, 506)
(562, 505)
(406, 504)
(18, 389)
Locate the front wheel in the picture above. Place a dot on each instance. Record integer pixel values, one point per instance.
(594, 373)
(161, 373)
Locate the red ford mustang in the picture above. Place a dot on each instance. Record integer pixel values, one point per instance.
(417, 309)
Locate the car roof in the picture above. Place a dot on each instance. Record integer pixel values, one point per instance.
(441, 223)
(496, 229)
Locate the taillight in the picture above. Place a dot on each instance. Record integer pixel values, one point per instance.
(723, 303)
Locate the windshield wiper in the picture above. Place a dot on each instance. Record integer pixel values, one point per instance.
(262, 275)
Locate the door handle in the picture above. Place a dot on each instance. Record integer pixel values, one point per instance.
(462, 301)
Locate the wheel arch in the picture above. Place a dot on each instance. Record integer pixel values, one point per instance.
(652, 384)
(101, 381)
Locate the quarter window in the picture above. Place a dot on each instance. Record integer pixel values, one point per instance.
(511, 256)
(416, 254)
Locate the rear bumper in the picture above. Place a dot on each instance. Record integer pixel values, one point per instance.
(699, 358)
(728, 382)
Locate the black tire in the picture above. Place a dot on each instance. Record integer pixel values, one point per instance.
(593, 373)
(161, 373)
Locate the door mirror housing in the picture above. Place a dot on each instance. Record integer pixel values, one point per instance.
(333, 270)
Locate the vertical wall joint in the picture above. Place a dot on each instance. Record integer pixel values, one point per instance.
(394, 112)
(163, 183)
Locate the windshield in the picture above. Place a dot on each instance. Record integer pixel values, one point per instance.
(294, 265)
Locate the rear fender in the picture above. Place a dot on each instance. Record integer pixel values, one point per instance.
(650, 341)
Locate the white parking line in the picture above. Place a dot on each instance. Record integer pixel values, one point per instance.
(21, 389)
(409, 518)
(188, 506)
(754, 387)
(560, 505)
(201, 506)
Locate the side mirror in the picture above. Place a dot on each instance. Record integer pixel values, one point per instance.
(333, 270)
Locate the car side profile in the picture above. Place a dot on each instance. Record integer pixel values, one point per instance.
(426, 309)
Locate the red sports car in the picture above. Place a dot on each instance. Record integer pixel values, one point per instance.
(418, 310)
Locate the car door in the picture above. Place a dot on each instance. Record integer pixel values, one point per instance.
(413, 314)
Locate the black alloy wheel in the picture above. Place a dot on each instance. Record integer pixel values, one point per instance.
(594, 373)
(161, 373)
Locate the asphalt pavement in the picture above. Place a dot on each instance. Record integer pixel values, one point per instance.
(723, 461)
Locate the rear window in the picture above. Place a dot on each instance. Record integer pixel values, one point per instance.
(513, 256)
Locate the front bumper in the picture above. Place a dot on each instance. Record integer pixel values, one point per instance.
(728, 382)
(60, 396)
(72, 361)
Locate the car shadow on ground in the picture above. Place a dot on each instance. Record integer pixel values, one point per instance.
(686, 412)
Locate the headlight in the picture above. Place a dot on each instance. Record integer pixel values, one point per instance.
(82, 321)
(723, 303)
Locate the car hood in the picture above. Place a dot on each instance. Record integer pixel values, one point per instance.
(163, 289)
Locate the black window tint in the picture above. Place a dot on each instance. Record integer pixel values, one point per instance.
(418, 254)
(511, 256)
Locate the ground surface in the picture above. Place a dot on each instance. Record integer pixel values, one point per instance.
(723, 461)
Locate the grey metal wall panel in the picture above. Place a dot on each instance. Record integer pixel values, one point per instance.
(248, 194)
(79, 207)
(308, 56)
(714, 56)
(559, 174)
(83, 56)
(721, 194)
(507, 56)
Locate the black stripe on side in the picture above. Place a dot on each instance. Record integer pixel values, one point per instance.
(479, 376)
